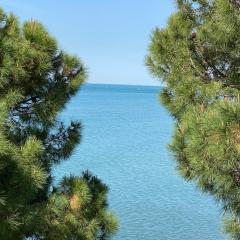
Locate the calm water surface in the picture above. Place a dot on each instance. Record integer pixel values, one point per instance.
(124, 141)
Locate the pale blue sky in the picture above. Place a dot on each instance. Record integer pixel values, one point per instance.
(110, 36)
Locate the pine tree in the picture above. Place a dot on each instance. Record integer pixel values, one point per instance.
(37, 79)
(197, 56)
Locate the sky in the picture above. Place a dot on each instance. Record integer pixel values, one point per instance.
(111, 37)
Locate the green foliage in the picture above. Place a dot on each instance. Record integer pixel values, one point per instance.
(37, 79)
(197, 56)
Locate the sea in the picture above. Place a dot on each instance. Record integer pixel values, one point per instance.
(125, 136)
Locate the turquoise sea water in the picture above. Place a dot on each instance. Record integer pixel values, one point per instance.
(125, 135)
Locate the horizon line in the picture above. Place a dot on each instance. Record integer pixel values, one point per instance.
(124, 84)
